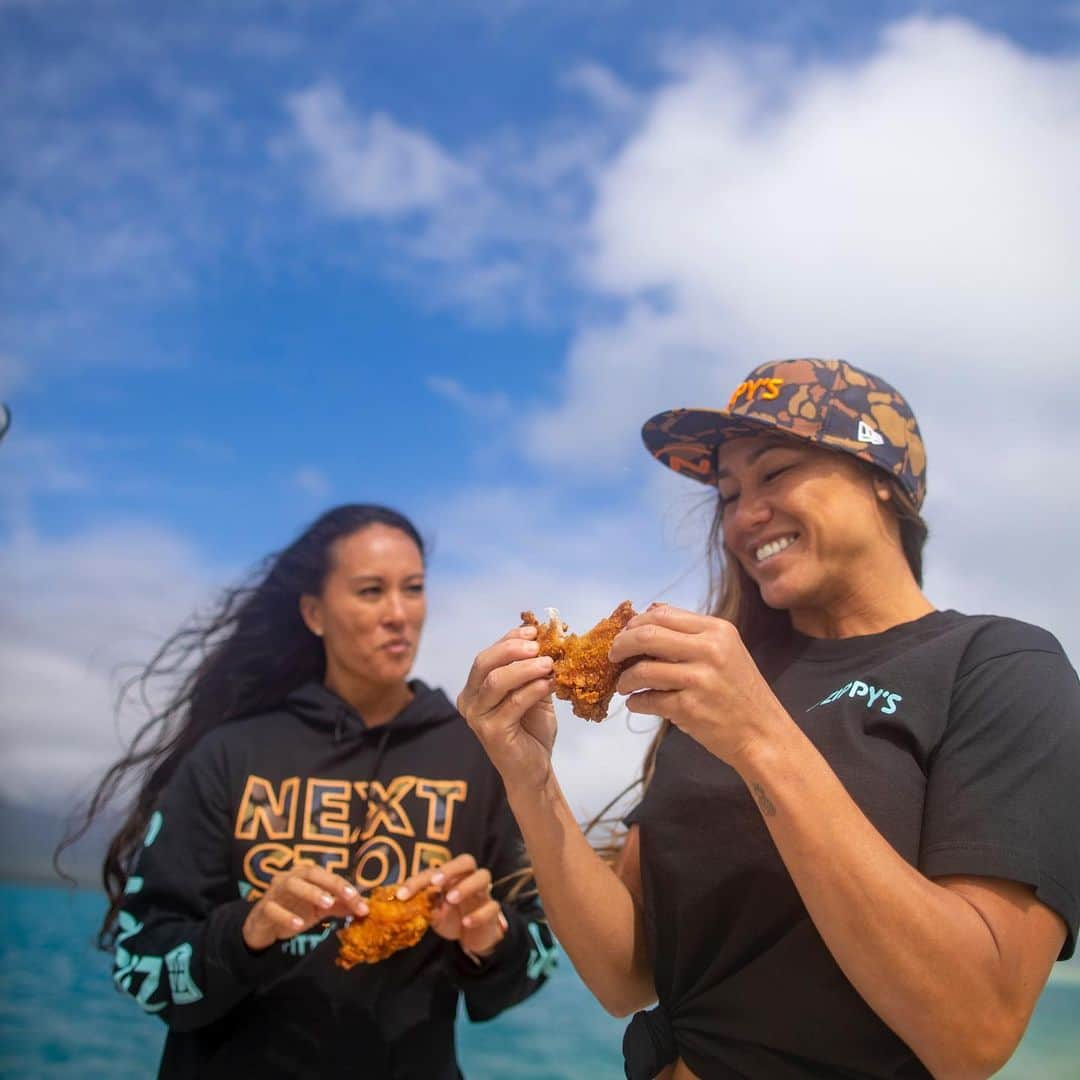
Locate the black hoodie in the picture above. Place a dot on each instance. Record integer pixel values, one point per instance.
(310, 780)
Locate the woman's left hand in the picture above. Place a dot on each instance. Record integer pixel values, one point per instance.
(695, 671)
(467, 912)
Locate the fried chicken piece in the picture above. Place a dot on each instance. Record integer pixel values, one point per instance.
(391, 924)
(584, 675)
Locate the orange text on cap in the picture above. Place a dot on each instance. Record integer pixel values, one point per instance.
(767, 388)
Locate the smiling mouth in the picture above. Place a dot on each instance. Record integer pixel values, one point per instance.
(773, 547)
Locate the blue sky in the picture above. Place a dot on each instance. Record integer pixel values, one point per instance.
(450, 256)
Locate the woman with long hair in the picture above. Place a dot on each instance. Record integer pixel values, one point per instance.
(857, 852)
(296, 766)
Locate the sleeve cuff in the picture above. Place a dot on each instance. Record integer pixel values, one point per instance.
(468, 967)
(230, 951)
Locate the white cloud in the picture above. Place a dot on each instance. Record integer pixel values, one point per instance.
(79, 615)
(617, 375)
(449, 232)
(493, 226)
(312, 481)
(602, 86)
(371, 165)
(469, 401)
(915, 210)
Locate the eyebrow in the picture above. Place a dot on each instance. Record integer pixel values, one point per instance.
(776, 444)
(379, 578)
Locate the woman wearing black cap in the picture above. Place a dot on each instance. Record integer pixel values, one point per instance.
(857, 852)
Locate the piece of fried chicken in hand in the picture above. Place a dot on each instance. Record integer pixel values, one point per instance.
(390, 925)
(584, 675)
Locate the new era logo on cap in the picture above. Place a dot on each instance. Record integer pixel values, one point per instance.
(868, 435)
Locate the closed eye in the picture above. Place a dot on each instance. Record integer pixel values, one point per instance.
(772, 474)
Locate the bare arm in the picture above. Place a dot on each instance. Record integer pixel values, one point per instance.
(591, 907)
(954, 966)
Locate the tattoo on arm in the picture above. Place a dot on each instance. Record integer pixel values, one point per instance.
(766, 804)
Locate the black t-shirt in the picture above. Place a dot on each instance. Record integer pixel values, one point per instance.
(959, 738)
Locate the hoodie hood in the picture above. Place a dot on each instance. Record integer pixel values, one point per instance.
(321, 708)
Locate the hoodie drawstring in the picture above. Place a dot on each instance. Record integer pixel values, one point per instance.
(380, 752)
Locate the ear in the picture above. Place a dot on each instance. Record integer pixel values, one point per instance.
(311, 613)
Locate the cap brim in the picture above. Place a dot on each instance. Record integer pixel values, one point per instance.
(685, 440)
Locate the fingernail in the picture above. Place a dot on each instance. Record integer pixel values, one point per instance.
(326, 901)
(402, 893)
(349, 892)
(438, 879)
(533, 646)
(453, 896)
(547, 662)
(297, 921)
(467, 921)
(361, 908)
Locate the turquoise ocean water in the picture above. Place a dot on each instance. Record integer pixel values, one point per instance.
(59, 1014)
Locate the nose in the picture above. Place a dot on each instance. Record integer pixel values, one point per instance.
(752, 510)
(394, 608)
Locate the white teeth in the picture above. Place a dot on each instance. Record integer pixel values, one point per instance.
(773, 547)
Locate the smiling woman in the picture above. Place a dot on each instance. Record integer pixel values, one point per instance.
(857, 851)
(297, 767)
(779, 503)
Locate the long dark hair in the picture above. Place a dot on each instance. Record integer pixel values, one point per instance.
(246, 657)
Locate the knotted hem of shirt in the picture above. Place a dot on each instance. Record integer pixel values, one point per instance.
(648, 1044)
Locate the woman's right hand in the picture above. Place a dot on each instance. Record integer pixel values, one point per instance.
(296, 900)
(507, 703)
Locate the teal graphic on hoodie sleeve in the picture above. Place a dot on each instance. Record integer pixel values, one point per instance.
(181, 984)
(153, 828)
(542, 957)
(128, 966)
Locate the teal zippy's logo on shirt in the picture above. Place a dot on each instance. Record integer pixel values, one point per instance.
(885, 700)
